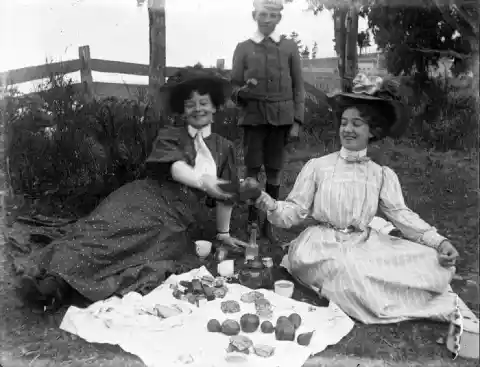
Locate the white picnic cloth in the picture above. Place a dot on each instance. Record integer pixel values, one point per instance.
(184, 339)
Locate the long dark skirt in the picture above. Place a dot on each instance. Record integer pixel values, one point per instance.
(128, 243)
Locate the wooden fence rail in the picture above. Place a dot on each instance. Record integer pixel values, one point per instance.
(85, 65)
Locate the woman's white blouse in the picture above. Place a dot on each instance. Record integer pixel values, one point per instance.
(333, 190)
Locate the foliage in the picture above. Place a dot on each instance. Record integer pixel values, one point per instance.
(60, 146)
(314, 50)
(305, 54)
(363, 40)
(414, 36)
(445, 117)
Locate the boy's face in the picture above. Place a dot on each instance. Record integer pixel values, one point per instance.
(267, 20)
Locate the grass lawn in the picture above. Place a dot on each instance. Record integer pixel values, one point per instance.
(441, 187)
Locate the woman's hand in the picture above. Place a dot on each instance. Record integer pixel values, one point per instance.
(447, 254)
(209, 184)
(229, 241)
(266, 203)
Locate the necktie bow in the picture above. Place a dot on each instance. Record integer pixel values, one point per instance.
(362, 159)
(204, 162)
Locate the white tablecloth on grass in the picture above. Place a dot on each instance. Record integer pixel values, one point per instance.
(184, 340)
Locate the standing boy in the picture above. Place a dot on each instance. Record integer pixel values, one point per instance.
(268, 86)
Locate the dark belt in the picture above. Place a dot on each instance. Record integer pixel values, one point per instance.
(346, 230)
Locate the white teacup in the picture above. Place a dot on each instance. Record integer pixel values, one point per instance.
(284, 288)
(226, 268)
(203, 248)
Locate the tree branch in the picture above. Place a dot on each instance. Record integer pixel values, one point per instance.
(443, 53)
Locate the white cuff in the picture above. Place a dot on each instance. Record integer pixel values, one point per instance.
(432, 239)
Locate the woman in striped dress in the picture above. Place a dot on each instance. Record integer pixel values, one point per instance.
(373, 277)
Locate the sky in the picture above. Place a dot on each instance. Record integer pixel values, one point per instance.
(33, 31)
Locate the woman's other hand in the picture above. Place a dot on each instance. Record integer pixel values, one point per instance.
(228, 240)
(447, 254)
(265, 202)
(209, 184)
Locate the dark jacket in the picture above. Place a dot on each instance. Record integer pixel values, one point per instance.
(279, 96)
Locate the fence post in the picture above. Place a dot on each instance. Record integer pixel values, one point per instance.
(85, 71)
(156, 78)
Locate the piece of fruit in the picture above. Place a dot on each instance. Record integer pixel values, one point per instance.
(285, 331)
(230, 327)
(305, 338)
(296, 320)
(214, 326)
(230, 306)
(249, 323)
(264, 351)
(267, 327)
(283, 319)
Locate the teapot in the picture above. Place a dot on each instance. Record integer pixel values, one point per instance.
(252, 274)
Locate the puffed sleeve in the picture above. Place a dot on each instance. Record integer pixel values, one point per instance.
(408, 222)
(168, 148)
(298, 205)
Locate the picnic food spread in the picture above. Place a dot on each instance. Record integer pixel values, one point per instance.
(183, 331)
(243, 321)
(252, 321)
(198, 290)
(285, 328)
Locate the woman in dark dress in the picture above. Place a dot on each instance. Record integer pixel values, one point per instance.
(139, 232)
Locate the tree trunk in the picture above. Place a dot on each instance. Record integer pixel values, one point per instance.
(339, 16)
(351, 55)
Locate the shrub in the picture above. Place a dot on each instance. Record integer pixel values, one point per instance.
(444, 117)
(72, 152)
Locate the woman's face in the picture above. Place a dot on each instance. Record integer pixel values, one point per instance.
(354, 130)
(199, 110)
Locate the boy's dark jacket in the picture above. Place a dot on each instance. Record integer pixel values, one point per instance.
(278, 98)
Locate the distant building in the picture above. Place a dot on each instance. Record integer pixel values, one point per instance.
(367, 63)
(323, 73)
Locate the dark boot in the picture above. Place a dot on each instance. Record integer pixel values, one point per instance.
(268, 229)
(49, 293)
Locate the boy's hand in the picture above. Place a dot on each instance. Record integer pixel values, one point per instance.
(294, 134)
(295, 130)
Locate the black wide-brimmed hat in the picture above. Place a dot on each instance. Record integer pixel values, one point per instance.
(191, 76)
(377, 92)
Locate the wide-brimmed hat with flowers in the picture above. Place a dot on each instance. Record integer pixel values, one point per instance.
(377, 92)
